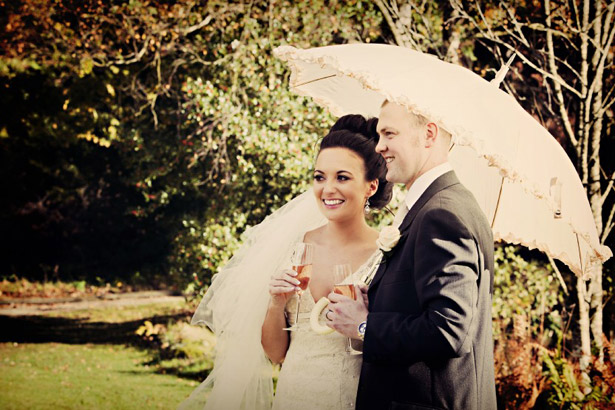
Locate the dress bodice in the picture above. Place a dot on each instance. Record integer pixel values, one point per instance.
(308, 302)
(318, 371)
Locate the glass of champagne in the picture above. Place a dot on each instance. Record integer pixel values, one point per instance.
(340, 274)
(301, 260)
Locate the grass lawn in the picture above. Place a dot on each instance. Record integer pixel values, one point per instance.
(61, 376)
(116, 314)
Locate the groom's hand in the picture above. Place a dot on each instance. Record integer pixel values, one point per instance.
(346, 314)
(363, 288)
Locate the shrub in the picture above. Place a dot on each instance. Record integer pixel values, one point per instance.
(179, 348)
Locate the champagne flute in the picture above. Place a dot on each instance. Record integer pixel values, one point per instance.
(340, 274)
(301, 260)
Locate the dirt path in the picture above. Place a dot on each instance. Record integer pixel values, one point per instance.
(87, 319)
(43, 306)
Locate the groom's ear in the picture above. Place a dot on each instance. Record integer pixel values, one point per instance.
(431, 134)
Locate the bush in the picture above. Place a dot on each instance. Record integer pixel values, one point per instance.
(566, 386)
(525, 323)
(179, 348)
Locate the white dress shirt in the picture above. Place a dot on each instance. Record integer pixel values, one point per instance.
(418, 188)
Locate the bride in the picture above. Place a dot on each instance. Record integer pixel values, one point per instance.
(249, 301)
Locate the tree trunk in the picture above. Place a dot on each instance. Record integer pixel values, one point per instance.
(583, 291)
(451, 36)
(584, 330)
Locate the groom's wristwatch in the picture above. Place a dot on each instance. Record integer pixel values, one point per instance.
(361, 329)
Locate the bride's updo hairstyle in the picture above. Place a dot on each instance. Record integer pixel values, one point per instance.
(359, 135)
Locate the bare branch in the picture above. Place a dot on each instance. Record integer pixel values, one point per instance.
(576, 15)
(430, 32)
(558, 274)
(196, 27)
(558, 85)
(569, 67)
(386, 12)
(599, 68)
(606, 102)
(608, 226)
(482, 16)
(607, 22)
(196, 57)
(403, 17)
(131, 58)
(608, 188)
(549, 74)
(513, 18)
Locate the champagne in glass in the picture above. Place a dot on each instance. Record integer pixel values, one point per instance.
(304, 274)
(341, 273)
(301, 261)
(346, 290)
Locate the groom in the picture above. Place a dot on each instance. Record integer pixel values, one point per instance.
(427, 335)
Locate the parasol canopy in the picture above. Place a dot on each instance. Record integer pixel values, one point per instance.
(521, 177)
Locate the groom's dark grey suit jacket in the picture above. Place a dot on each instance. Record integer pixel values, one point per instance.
(429, 341)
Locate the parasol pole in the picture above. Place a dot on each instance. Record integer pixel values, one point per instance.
(497, 204)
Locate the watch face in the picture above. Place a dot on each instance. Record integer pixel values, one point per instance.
(362, 327)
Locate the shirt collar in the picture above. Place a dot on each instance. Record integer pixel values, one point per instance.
(424, 181)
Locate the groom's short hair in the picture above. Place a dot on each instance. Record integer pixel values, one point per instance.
(418, 120)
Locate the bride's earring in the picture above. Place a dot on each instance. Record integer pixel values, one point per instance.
(366, 209)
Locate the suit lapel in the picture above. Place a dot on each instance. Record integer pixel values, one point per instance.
(442, 182)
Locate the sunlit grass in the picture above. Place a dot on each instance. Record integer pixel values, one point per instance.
(22, 287)
(116, 314)
(60, 376)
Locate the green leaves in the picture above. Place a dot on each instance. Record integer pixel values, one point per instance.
(527, 288)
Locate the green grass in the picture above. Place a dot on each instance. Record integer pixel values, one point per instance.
(116, 314)
(60, 376)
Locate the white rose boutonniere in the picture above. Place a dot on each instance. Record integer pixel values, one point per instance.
(387, 240)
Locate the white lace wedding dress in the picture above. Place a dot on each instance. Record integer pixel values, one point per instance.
(318, 373)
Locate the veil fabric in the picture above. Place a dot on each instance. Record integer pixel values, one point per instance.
(235, 305)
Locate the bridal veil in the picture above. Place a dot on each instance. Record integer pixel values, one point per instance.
(235, 305)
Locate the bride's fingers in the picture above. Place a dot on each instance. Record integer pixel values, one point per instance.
(287, 275)
(289, 272)
(292, 282)
(279, 290)
(282, 285)
(279, 286)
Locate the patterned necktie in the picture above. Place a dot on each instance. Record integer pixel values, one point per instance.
(400, 215)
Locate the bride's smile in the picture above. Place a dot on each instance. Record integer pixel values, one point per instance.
(332, 203)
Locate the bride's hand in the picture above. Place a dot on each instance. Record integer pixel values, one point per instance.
(282, 285)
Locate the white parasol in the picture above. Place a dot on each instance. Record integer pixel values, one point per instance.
(522, 178)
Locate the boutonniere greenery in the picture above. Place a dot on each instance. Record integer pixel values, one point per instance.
(387, 240)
